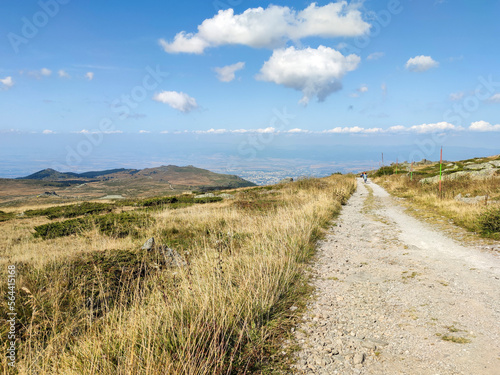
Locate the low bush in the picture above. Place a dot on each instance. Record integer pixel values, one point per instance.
(489, 222)
(74, 210)
(4, 216)
(113, 225)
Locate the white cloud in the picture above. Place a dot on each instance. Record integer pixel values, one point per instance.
(227, 73)
(483, 126)
(494, 99)
(421, 63)
(270, 27)
(177, 100)
(430, 128)
(6, 82)
(315, 72)
(47, 131)
(397, 128)
(374, 130)
(353, 129)
(63, 74)
(45, 72)
(375, 55)
(89, 76)
(144, 131)
(297, 131)
(363, 88)
(85, 131)
(164, 132)
(456, 96)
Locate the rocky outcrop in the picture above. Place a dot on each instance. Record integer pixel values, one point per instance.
(170, 257)
(471, 200)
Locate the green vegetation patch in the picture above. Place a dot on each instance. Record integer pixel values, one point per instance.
(489, 223)
(4, 216)
(113, 225)
(176, 201)
(385, 171)
(74, 210)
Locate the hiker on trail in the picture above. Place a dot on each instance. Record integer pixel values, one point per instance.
(365, 177)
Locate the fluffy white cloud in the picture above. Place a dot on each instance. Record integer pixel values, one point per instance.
(63, 74)
(375, 55)
(144, 131)
(430, 128)
(354, 129)
(47, 131)
(483, 126)
(397, 128)
(297, 131)
(421, 63)
(89, 76)
(6, 82)
(270, 27)
(315, 72)
(45, 72)
(494, 99)
(456, 96)
(363, 88)
(177, 100)
(227, 73)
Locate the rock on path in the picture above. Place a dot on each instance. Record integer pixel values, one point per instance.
(396, 296)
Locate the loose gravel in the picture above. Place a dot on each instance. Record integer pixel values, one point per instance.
(394, 295)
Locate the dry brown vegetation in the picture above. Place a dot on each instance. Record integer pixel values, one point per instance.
(92, 303)
(482, 216)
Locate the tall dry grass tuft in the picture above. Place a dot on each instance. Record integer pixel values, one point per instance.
(121, 311)
(472, 213)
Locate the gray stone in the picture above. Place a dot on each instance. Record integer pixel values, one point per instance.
(149, 244)
(479, 166)
(359, 358)
(172, 258)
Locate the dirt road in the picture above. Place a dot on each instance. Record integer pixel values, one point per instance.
(396, 296)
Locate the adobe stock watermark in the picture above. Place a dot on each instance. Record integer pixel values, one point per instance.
(226, 4)
(258, 141)
(457, 116)
(31, 25)
(382, 19)
(121, 106)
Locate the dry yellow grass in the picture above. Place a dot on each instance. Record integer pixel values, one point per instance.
(427, 198)
(223, 313)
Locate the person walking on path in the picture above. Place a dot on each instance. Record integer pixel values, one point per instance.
(365, 177)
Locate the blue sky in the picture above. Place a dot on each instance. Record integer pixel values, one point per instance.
(392, 72)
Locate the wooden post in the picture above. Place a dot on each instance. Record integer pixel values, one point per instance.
(440, 173)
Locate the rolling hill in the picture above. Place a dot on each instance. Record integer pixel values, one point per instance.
(129, 183)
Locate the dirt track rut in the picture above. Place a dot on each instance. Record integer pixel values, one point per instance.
(396, 296)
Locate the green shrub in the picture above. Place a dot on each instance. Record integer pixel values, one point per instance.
(489, 222)
(4, 216)
(384, 171)
(74, 210)
(113, 225)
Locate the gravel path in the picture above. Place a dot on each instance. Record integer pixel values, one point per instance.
(395, 296)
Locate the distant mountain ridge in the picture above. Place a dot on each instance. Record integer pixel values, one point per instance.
(51, 174)
(188, 176)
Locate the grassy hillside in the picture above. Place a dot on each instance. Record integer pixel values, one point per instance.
(130, 183)
(91, 302)
(470, 195)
